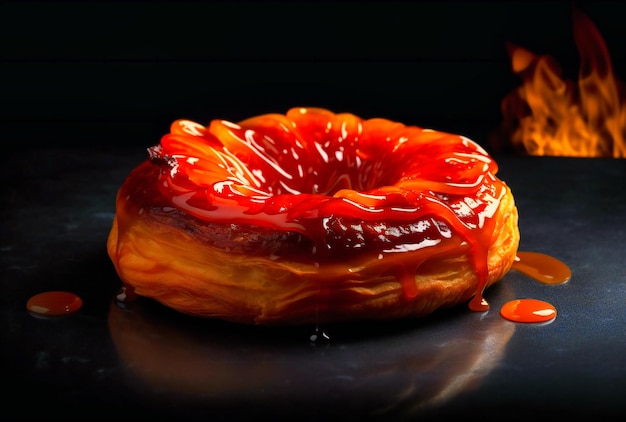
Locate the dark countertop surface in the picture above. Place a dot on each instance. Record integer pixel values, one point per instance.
(146, 362)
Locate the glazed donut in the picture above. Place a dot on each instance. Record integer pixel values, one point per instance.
(313, 217)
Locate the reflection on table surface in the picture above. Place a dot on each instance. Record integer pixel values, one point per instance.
(373, 368)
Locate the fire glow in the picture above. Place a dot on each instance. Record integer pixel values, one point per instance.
(547, 115)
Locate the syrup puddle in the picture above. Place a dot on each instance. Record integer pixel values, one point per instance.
(544, 269)
(528, 310)
(54, 303)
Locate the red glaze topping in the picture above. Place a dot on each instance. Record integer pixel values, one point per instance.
(352, 186)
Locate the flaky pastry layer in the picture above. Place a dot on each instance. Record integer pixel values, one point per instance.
(172, 264)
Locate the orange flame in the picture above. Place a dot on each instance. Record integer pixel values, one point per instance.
(551, 116)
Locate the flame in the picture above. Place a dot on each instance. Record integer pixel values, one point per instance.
(551, 116)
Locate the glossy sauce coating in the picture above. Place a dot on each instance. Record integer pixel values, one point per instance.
(372, 189)
(54, 303)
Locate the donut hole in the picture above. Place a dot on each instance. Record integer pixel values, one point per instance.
(325, 167)
(334, 176)
(314, 151)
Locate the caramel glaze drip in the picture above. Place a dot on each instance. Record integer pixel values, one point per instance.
(369, 195)
(541, 267)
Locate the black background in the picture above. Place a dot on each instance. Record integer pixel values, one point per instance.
(117, 73)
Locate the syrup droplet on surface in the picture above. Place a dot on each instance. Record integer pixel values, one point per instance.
(478, 303)
(541, 267)
(126, 294)
(319, 337)
(54, 303)
(528, 310)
